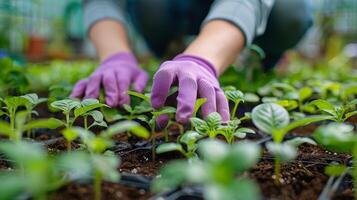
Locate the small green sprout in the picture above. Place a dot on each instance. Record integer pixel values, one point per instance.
(81, 109)
(338, 113)
(208, 127)
(219, 172)
(186, 144)
(236, 97)
(21, 126)
(339, 137)
(32, 101)
(274, 120)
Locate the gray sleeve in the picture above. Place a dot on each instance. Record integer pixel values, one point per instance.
(250, 16)
(96, 10)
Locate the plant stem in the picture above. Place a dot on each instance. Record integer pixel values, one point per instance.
(85, 122)
(67, 121)
(97, 185)
(29, 118)
(153, 143)
(166, 135)
(12, 119)
(233, 114)
(277, 171)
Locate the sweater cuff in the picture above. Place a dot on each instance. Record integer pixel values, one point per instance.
(239, 13)
(96, 10)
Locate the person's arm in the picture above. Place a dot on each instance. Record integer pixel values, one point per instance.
(109, 37)
(219, 42)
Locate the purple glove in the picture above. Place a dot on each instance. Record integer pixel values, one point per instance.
(194, 76)
(115, 74)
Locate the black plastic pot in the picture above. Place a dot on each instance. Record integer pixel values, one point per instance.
(186, 193)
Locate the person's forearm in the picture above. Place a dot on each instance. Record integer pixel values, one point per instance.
(109, 37)
(218, 42)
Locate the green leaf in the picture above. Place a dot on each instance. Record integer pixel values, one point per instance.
(107, 166)
(33, 99)
(213, 120)
(83, 110)
(303, 122)
(335, 170)
(6, 130)
(288, 104)
(213, 150)
(305, 93)
(325, 106)
(70, 134)
(164, 110)
(139, 95)
(285, 152)
(243, 156)
(96, 115)
(242, 132)
(199, 102)
(296, 142)
(234, 95)
(168, 147)
(124, 126)
(14, 102)
(88, 102)
(336, 137)
(128, 108)
(50, 123)
(66, 105)
(350, 114)
(251, 97)
(269, 116)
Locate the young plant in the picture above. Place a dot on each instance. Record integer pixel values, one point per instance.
(338, 113)
(32, 102)
(186, 144)
(274, 120)
(231, 130)
(11, 106)
(208, 127)
(219, 171)
(15, 132)
(105, 162)
(80, 109)
(339, 137)
(236, 97)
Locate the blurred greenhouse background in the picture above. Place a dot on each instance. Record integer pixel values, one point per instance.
(38, 30)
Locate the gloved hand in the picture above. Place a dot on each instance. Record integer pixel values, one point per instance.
(115, 74)
(194, 76)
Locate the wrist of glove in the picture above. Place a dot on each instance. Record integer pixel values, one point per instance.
(115, 74)
(196, 78)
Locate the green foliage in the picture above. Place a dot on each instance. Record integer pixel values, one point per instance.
(186, 145)
(338, 113)
(217, 171)
(83, 109)
(14, 79)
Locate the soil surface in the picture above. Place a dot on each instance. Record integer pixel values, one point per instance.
(110, 191)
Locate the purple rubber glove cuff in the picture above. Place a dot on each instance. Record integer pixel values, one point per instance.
(202, 62)
(115, 74)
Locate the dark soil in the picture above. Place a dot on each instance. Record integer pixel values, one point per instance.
(110, 191)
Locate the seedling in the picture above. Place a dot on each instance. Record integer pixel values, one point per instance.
(21, 126)
(104, 162)
(208, 127)
(339, 137)
(219, 171)
(32, 102)
(80, 109)
(186, 144)
(236, 97)
(338, 113)
(274, 120)
(231, 130)
(11, 106)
